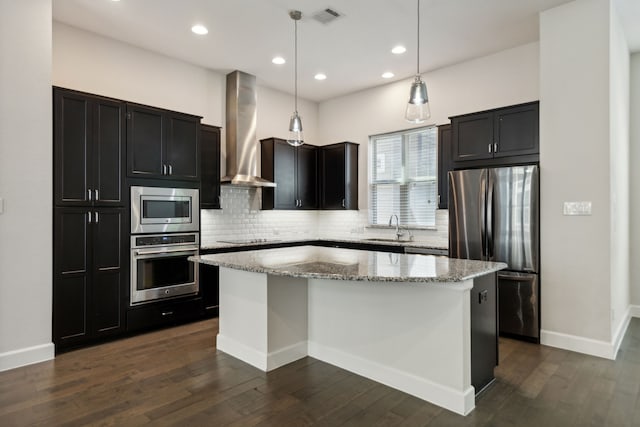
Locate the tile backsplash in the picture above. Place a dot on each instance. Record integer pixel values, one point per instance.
(242, 218)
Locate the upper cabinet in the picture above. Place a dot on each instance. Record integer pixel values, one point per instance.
(339, 176)
(444, 165)
(210, 167)
(294, 170)
(504, 134)
(162, 144)
(88, 145)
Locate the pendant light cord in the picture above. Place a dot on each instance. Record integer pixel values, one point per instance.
(295, 64)
(418, 31)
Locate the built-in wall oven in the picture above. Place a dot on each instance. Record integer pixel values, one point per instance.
(160, 267)
(165, 225)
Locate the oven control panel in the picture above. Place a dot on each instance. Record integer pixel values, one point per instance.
(165, 239)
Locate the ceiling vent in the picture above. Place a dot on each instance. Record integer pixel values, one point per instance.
(326, 16)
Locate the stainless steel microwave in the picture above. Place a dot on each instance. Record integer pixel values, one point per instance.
(164, 210)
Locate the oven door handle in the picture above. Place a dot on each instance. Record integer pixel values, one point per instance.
(191, 251)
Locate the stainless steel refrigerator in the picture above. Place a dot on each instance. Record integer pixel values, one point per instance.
(494, 216)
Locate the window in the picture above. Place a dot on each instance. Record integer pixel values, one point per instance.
(403, 169)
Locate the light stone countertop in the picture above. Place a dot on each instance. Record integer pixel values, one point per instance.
(351, 264)
(369, 241)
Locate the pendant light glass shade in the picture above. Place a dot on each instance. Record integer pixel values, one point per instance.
(418, 106)
(296, 137)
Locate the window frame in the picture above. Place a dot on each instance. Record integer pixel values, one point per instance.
(403, 182)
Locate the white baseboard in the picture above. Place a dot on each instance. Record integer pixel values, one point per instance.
(26, 356)
(599, 348)
(264, 361)
(457, 401)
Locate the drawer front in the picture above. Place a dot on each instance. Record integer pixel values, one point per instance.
(164, 314)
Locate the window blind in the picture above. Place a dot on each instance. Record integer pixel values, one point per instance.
(403, 177)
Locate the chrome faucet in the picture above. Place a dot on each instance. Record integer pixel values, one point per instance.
(398, 232)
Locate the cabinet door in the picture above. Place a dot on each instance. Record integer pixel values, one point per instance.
(284, 160)
(484, 330)
(209, 167)
(72, 150)
(108, 152)
(332, 194)
(516, 130)
(473, 137)
(307, 173)
(71, 264)
(145, 136)
(444, 165)
(109, 272)
(209, 289)
(182, 147)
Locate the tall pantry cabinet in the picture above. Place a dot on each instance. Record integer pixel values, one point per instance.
(89, 224)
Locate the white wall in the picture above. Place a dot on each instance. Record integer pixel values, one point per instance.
(583, 146)
(619, 161)
(634, 156)
(25, 183)
(505, 78)
(92, 63)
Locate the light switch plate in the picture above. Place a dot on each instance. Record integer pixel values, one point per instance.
(577, 208)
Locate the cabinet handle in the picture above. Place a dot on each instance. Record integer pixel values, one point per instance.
(170, 170)
(495, 147)
(96, 194)
(89, 192)
(89, 216)
(167, 313)
(96, 217)
(490, 148)
(164, 169)
(343, 204)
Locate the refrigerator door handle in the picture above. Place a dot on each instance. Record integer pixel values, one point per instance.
(483, 201)
(489, 225)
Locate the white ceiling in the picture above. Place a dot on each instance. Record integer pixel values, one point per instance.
(353, 51)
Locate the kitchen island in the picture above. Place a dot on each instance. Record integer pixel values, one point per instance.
(402, 320)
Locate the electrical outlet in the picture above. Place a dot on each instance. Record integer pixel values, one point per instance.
(577, 208)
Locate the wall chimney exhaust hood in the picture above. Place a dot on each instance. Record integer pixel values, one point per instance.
(242, 143)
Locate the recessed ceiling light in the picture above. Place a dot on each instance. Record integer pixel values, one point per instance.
(201, 30)
(387, 75)
(398, 50)
(278, 60)
(320, 76)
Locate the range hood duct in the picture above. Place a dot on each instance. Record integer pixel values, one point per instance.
(242, 143)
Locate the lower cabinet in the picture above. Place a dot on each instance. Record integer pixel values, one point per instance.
(209, 288)
(165, 313)
(90, 279)
(484, 330)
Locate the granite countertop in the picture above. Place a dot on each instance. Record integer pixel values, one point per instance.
(352, 264)
(370, 241)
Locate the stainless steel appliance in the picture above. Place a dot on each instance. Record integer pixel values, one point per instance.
(494, 216)
(160, 268)
(164, 210)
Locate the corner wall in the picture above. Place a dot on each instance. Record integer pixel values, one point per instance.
(583, 146)
(634, 156)
(25, 183)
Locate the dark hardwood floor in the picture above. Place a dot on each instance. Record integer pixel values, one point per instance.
(176, 377)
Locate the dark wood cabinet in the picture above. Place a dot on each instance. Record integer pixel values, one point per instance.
(294, 170)
(162, 144)
(209, 289)
(89, 135)
(445, 164)
(209, 167)
(339, 176)
(501, 134)
(484, 330)
(90, 274)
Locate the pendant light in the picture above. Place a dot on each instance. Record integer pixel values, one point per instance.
(418, 106)
(296, 137)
